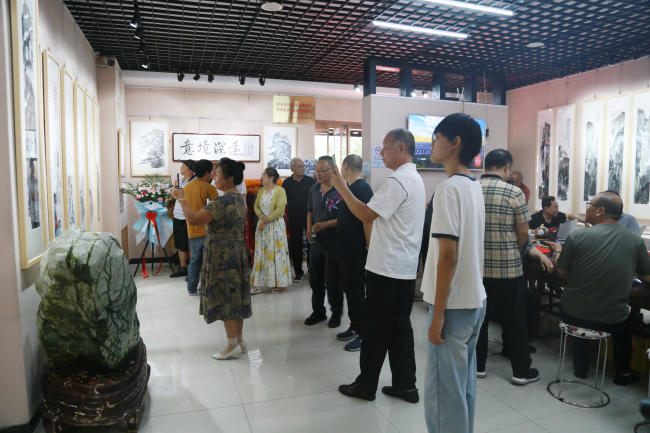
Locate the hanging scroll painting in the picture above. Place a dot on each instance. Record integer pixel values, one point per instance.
(544, 170)
(615, 162)
(591, 150)
(564, 143)
(638, 202)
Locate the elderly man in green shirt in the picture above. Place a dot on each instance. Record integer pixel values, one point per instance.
(601, 262)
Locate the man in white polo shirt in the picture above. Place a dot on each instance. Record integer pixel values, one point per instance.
(398, 214)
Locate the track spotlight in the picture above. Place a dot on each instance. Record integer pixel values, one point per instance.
(110, 62)
(180, 76)
(262, 81)
(581, 67)
(143, 46)
(139, 33)
(210, 78)
(356, 87)
(610, 60)
(145, 64)
(197, 77)
(425, 94)
(136, 21)
(635, 53)
(242, 79)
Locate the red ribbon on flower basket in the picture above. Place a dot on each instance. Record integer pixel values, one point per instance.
(151, 216)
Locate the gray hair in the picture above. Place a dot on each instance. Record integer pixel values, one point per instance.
(518, 173)
(354, 162)
(402, 135)
(293, 161)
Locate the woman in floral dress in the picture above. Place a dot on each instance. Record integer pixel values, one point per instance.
(225, 293)
(271, 267)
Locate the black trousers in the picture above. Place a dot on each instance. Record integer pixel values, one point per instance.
(353, 276)
(506, 296)
(325, 271)
(621, 334)
(295, 246)
(387, 328)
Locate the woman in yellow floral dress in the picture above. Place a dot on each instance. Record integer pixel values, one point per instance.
(271, 267)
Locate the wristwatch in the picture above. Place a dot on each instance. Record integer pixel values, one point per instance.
(555, 253)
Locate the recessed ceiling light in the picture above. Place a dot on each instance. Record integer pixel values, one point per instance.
(419, 29)
(535, 45)
(272, 6)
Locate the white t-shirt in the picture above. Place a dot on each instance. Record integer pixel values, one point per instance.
(241, 188)
(178, 210)
(458, 213)
(397, 233)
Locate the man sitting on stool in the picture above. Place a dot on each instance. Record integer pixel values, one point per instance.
(601, 263)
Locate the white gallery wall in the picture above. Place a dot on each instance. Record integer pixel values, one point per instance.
(220, 112)
(21, 357)
(620, 79)
(384, 113)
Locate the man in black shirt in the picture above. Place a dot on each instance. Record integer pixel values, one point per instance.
(551, 216)
(297, 188)
(352, 239)
(324, 264)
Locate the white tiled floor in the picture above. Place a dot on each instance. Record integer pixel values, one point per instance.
(288, 381)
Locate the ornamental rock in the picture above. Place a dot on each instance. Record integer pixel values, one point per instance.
(87, 316)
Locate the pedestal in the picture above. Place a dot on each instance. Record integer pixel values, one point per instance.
(80, 398)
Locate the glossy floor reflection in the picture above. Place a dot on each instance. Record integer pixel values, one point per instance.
(288, 380)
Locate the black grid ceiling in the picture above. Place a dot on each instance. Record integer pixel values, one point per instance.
(328, 40)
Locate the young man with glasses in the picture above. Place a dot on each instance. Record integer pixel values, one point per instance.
(297, 188)
(601, 263)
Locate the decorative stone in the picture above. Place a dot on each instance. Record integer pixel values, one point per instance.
(87, 316)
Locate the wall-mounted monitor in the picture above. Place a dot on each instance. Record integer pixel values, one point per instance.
(422, 127)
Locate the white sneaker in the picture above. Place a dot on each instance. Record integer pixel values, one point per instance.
(234, 353)
(481, 374)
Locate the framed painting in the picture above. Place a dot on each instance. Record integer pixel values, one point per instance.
(213, 147)
(90, 163)
(638, 202)
(149, 147)
(615, 161)
(544, 170)
(564, 142)
(592, 128)
(121, 155)
(280, 145)
(54, 149)
(30, 169)
(80, 143)
(69, 153)
(97, 170)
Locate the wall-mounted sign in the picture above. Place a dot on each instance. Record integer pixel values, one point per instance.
(215, 146)
(294, 109)
(377, 161)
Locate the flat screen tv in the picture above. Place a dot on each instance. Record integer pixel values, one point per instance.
(422, 127)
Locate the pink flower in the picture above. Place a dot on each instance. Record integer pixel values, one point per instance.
(138, 196)
(160, 198)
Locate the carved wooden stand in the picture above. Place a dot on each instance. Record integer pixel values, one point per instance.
(80, 398)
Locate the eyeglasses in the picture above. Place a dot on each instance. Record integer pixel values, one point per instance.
(323, 171)
(593, 204)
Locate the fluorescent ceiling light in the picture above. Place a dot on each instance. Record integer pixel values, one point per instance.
(419, 29)
(535, 45)
(481, 8)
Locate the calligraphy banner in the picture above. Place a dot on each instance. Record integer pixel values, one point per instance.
(215, 146)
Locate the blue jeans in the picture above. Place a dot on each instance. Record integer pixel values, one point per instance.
(450, 379)
(196, 262)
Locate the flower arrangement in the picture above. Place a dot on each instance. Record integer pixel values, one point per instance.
(153, 187)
